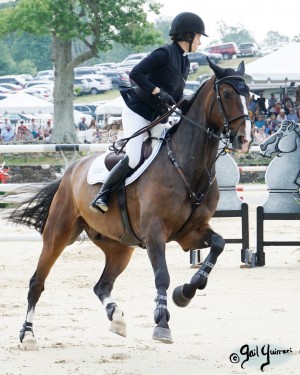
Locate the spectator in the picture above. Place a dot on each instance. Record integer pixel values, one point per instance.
(47, 135)
(7, 134)
(281, 117)
(260, 122)
(277, 108)
(287, 106)
(286, 98)
(292, 115)
(297, 95)
(259, 134)
(21, 131)
(82, 125)
(272, 101)
(252, 104)
(273, 122)
(261, 101)
(27, 135)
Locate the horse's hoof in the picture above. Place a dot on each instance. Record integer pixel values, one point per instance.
(163, 335)
(178, 298)
(118, 327)
(29, 342)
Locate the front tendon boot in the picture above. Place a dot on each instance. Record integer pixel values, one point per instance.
(119, 172)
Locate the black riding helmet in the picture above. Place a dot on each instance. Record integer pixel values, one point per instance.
(186, 23)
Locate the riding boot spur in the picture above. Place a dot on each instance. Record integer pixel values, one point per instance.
(119, 172)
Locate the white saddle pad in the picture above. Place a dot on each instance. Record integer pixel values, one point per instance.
(98, 171)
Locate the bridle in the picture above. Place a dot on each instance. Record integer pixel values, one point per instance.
(231, 81)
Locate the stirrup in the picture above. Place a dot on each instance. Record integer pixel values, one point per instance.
(103, 207)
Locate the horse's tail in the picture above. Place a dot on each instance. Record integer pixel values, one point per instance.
(34, 211)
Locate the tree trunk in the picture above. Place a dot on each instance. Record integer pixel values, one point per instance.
(64, 130)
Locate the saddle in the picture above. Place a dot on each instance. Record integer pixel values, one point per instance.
(112, 158)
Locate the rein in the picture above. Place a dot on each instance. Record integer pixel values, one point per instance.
(124, 141)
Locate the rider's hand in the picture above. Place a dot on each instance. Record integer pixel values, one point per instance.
(164, 98)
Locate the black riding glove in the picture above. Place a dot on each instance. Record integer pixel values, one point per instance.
(164, 98)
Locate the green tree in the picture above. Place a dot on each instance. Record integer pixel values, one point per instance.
(238, 33)
(7, 64)
(273, 38)
(96, 23)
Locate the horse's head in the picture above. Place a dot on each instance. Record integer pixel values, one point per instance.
(285, 140)
(230, 107)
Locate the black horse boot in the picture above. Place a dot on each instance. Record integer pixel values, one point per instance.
(119, 172)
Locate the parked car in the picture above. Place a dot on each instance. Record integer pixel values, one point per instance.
(192, 85)
(107, 65)
(45, 93)
(248, 50)
(16, 80)
(87, 70)
(84, 108)
(11, 87)
(98, 83)
(227, 50)
(203, 77)
(3, 95)
(45, 74)
(6, 90)
(81, 86)
(44, 82)
(200, 57)
(118, 79)
(136, 56)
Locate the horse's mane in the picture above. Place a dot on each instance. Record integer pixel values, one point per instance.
(188, 103)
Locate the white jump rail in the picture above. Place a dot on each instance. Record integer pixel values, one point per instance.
(24, 148)
(92, 147)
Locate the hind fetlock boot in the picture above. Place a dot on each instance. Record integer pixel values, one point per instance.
(119, 172)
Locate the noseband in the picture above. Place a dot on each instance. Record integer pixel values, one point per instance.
(234, 82)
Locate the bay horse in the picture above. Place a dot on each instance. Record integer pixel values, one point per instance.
(173, 200)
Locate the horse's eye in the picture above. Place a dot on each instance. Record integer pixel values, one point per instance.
(226, 94)
(279, 134)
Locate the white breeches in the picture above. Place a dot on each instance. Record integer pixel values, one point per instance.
(133, 122)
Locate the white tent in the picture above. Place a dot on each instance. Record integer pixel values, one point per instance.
(22, 102)
(112, 107)
(281, 66)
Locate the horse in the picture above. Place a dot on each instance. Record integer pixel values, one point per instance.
(284, 141)
(173, 200)
(283, 172)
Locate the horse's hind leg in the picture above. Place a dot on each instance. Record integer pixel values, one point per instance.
(117, 257)
(61, 232)
(183, 294)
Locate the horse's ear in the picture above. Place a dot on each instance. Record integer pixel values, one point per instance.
(216, 68)
(241, 68)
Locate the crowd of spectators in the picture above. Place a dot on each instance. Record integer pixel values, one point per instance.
(25, 132)
(267, 118)
(266, 115)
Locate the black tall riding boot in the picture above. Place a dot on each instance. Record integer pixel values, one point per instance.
(119, 172)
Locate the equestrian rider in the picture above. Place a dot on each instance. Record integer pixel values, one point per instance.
(160, 78)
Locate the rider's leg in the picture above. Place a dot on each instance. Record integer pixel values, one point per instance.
(113, 180)
(131, 122)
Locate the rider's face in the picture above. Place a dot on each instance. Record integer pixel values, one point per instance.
(196, 42)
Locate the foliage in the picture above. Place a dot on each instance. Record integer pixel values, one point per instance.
(273, 38)
(7, 64)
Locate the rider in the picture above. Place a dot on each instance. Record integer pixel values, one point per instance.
(160, 78)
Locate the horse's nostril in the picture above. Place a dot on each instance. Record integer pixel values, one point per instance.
(263, 147)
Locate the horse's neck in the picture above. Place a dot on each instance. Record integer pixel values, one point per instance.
(194, 151)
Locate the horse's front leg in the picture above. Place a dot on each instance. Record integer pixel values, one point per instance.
(156, 253)
(117, 257)
(183, 294)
